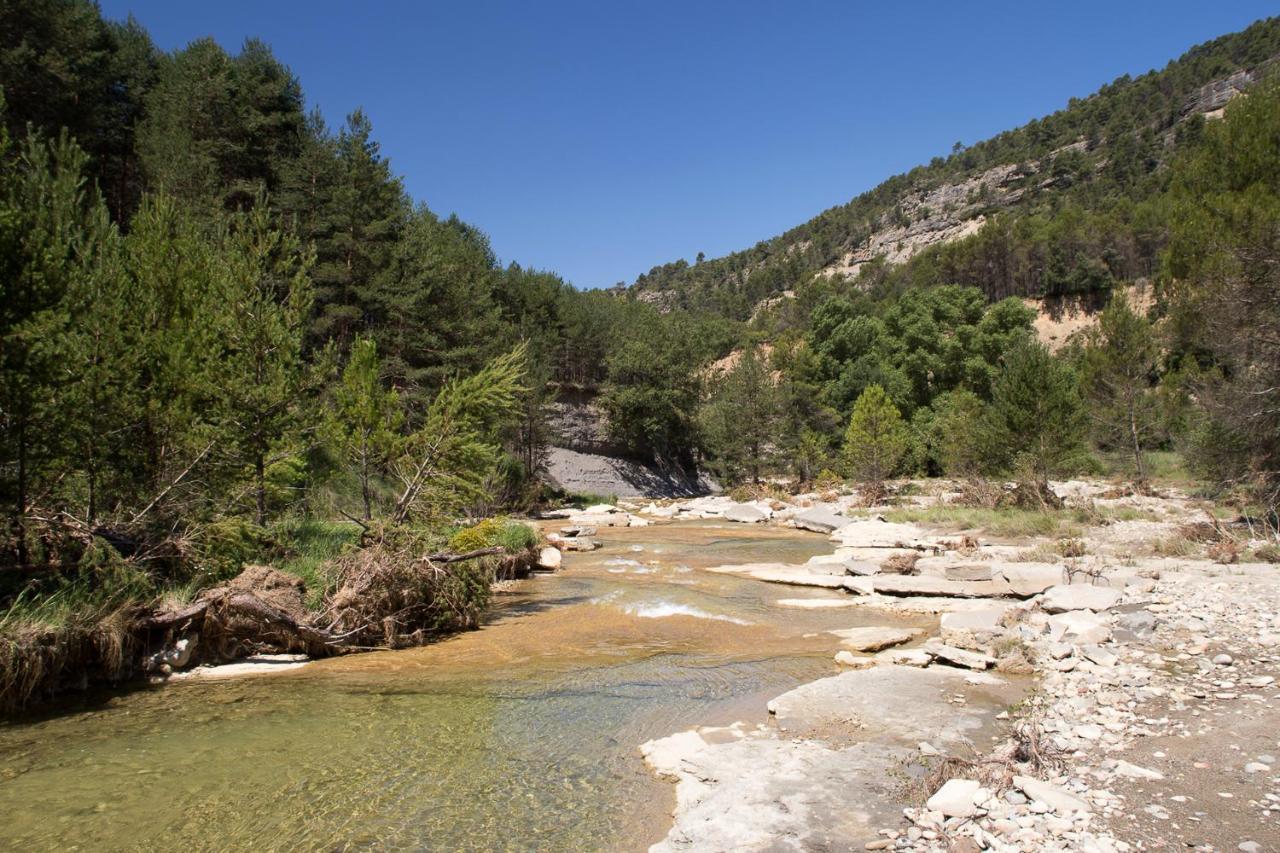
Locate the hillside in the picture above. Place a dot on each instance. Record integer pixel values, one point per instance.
(1052, 208)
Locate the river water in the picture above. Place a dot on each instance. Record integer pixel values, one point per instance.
(518, 736)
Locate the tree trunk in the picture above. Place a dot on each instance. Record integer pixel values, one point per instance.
(364, 488)
(1137, 446)
(260, 472)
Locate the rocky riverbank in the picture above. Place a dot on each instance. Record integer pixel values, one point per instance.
(1080, 692)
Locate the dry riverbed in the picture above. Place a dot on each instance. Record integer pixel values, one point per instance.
(1083, 689)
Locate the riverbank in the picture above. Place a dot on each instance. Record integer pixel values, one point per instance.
(1147, 706)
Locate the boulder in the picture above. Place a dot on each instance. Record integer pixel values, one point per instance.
(1079, 596)
(906, 657)
(581, 543)
(873, 638)
(549, 558)
(922, 585)
(744, 514)
(819, 519)
(956, 798)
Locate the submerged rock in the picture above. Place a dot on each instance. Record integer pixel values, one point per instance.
(873, 638)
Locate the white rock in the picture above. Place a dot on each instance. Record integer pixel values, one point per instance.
(956, 798)
(873, 638)
(1079, 626)
(744, 514)
(1079, 596)
(549, 558)
(849, 659)
(1060, 800)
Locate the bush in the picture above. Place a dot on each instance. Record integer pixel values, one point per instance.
(511, 535)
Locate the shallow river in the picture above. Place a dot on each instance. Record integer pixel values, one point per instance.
(521, 735)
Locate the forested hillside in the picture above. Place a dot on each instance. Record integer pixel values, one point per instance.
(1064, 205)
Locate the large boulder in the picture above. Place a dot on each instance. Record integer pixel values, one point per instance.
(1079, 627)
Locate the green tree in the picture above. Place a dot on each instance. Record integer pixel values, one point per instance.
(446, 462)
(740, 421)
(876, 438)
(1119, 363)
(366, 418)
(956, 434)
(268, 300)
(1036, 419)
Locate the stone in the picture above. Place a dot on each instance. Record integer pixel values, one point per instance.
(959, 657)
(819, 519)
(1079, 626)
(873, 638)
(921, 585)
(875, 533)
(637, 521)
(1139, 623)
(955, 798)
(744, 514)
(1028, 579)
(1133, 771)
(549, 558)
(906, 657)
(967, 573)
(1059, 799)
(1100, 656)
(1079, 596)
(1256, 767)
(849, 659)
(581, 543)
(972, 629)
(1223, 660)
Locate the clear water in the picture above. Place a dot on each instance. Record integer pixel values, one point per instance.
(519, 736)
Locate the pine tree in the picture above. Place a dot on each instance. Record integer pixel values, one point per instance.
(1036, 419)
(1120, 359)
(268, 300)
(366, 418)
(740, 421)
(876, 438)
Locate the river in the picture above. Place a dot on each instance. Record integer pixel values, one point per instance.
(521, 735)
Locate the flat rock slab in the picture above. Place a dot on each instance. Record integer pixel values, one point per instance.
(873, 701)
(819, 519)
(250, 666)
(959, 657)
(757, 792)
(1079, 627)
(1054, 796)
(971, 628)
(1028, 579)
(971, 572)
(1079, 596)
(873, 638)
(818, 603)
(744, 514)
(873, 533)
(920, 585)
(785, 573)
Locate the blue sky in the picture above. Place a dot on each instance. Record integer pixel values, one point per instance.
(601, 138)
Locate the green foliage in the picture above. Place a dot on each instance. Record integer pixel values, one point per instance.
(364, 423)
(957, 436)
(740, 421)
(876, 438)
(1119, 364)
(1036, 420)
(515, 536)
(653, 389)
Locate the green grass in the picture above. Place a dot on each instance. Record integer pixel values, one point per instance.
(310, 544)
(515, 536)
(1004, 523)
(582, 500)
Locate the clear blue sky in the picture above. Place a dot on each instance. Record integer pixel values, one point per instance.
(601, 138)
